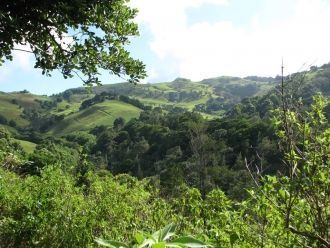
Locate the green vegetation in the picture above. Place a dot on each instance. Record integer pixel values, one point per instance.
(60, 114)
(187, 94)
(63, 113)
(99, 114)
(73, 203)
(27, 146)
(10, 110)
(110, 165)
(105, 168)
(160, 238)
(74, 37)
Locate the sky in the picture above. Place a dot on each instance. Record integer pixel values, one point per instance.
(200, 39)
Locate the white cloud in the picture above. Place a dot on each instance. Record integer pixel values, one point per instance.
(205, 49)
(22, 62)
(4, 73)
(22, 59)
(152, 74)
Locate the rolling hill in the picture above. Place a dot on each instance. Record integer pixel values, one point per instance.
(99, 114)
(12, 106)
(63, 113)
(186, 94)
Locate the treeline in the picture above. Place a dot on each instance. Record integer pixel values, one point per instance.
(98, 98)
(4, 121)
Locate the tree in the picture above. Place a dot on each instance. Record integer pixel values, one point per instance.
(304, 194)
(77, 37)
(12, 123)
(118, 123)
(105, 143)
(170, 172)
(140, 148)
(3, 120)
(203, 152)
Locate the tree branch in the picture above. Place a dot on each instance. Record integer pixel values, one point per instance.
(22, 50)
(309, 235)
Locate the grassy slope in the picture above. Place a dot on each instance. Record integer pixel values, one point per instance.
(105, 113)
(156, 95)
(206, 87)
(66, 108)
(99, 114)
(13, 111)
(27, 146)
(228, 88)
(11, 130)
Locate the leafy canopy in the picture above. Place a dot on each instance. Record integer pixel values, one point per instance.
(76, 37)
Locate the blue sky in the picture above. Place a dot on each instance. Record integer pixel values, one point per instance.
(198, 39)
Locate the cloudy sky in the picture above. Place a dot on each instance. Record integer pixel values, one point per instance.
(199, 39)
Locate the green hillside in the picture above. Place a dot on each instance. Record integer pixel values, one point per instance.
(184, 90)
(10, 110)
(99, 114)
(298, 87)
(183, 93)
(17, 106)
(63, 113)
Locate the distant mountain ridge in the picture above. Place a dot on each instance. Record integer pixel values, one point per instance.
(63, 113)
(187, 94)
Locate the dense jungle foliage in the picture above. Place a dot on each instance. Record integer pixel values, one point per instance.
(248, 179)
